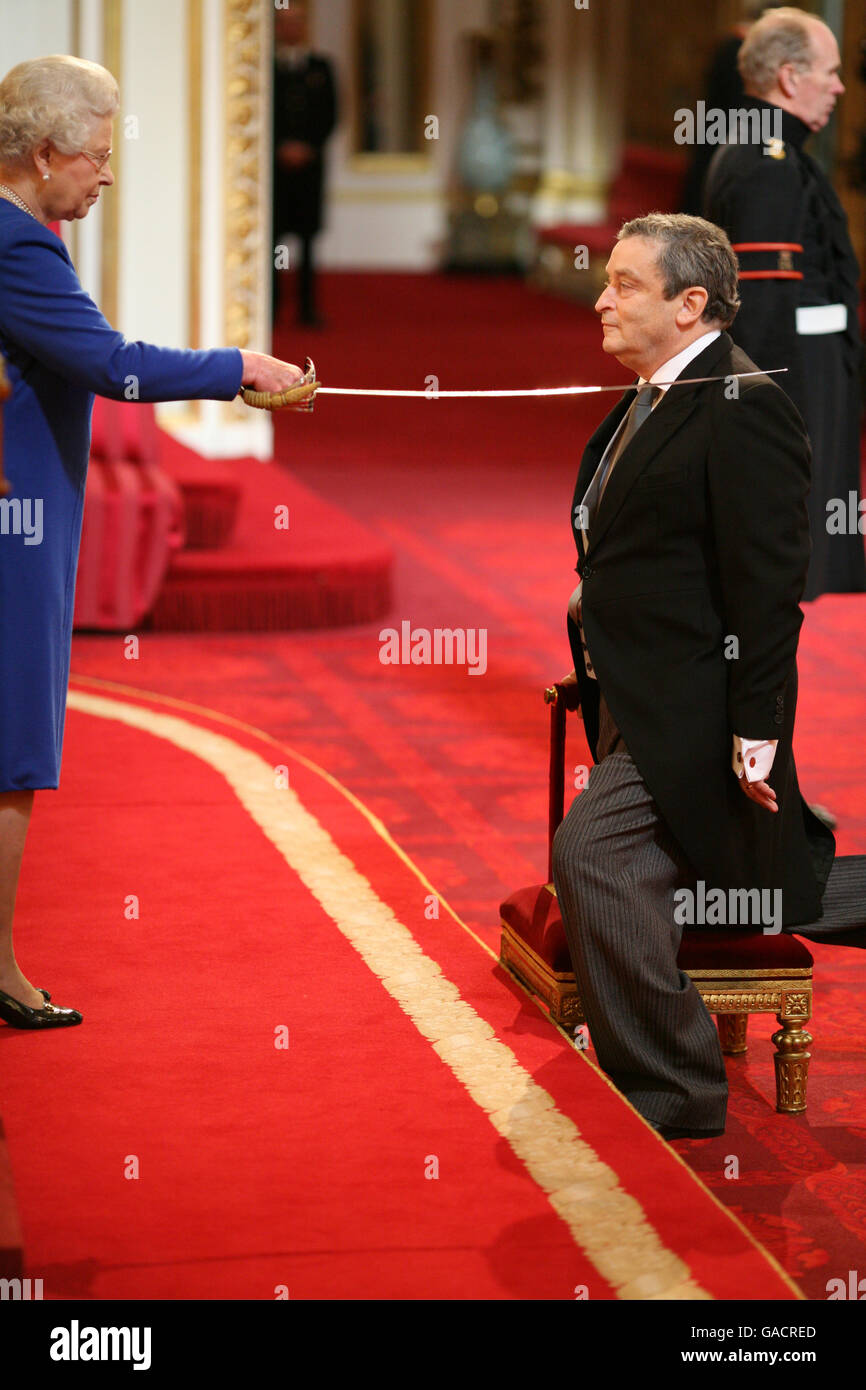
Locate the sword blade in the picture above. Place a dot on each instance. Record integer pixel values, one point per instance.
(533, 391)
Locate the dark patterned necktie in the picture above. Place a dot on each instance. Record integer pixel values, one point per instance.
(638, 412)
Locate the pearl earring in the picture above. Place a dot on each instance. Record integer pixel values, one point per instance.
(46, 176)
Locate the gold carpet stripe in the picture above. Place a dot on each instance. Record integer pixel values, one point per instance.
(606, 1222)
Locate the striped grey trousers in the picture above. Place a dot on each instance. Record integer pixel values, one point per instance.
(616, 868)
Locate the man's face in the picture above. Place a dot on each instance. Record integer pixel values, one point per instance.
(638, 324)
(818, 89)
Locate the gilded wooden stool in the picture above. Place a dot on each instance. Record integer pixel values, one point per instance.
(736, 971)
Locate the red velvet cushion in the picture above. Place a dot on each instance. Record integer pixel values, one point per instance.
(735, 948)
(533, 915)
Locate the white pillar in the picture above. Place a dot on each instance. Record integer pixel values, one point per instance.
(582, 112)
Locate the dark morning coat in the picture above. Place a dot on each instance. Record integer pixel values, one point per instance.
(702, 535)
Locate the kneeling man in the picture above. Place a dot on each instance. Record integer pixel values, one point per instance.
(693, 546)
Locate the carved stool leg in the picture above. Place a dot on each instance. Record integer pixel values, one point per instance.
(792, 1064)
(566, 1010)
(732, 1033)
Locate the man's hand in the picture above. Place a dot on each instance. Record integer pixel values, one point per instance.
(263, 373)
(760, 792)
(757, 754)
(571, 693)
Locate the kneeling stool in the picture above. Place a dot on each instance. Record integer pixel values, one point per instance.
(736, 971)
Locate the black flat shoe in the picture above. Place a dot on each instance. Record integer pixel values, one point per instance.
(19, 1015)
(45, 995)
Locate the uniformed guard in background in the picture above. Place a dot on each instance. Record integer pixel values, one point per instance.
(799, 277)
(723, 91)
(305, 113)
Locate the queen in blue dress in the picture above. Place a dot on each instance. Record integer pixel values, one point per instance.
(56, 118)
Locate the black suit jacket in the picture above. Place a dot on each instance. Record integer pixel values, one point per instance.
(702, 536)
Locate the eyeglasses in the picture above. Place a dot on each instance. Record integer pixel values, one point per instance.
(98, 161)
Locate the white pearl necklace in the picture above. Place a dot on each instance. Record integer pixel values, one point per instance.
(13, 197)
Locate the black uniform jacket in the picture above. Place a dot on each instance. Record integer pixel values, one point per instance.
(777, 195)
(702, 536)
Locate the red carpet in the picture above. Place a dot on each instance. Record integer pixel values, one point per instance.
(185, 1156)
(11, 1246)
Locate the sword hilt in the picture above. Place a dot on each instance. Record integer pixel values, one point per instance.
(298, 397)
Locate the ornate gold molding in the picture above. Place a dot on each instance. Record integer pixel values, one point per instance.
(388, 195)
(797, 972)
(245, 109)
(561, 183)
(194, 152)
(388, 162)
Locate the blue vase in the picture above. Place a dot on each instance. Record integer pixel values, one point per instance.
(485, 160)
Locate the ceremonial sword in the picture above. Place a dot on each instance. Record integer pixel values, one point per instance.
(302, 396)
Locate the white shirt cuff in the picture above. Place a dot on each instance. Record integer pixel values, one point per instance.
(754, 757)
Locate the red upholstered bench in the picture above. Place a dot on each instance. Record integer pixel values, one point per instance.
(133, 520)
(209, 488)
(736, 971)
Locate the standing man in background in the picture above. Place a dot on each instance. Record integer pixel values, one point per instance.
(723, 91)
(799, 277)
(305, 113)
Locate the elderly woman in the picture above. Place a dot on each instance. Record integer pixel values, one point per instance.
(55, 147)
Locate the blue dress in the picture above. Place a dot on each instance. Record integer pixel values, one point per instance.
(60, 351)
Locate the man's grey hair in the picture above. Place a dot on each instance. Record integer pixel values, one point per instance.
(781, 36)
(58, 98)
(692, 251)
